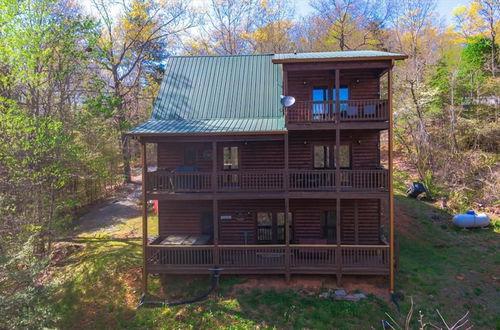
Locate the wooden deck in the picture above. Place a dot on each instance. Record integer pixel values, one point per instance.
(365, 181)
(343, 111)
(269, 259)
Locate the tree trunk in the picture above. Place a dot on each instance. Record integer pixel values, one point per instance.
(124, 144)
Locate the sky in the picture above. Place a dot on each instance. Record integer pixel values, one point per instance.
(444, 8)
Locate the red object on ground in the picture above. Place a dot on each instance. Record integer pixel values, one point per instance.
(155, 206)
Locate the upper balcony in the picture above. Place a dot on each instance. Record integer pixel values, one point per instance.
(346, 98)
(331, 112)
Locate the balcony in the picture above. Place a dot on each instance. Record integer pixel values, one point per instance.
(265, 259)
(369, 180)
(347, 111)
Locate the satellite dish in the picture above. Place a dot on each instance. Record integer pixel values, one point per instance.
(287, 101)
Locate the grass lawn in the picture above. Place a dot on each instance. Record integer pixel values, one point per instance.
(441, 267)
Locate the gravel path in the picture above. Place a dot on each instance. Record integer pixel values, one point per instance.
(107, 217)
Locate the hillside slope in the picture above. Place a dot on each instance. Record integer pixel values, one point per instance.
(441, 267)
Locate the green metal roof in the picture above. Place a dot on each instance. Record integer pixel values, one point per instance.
(223, 94)
(207, 87)
(339, 55)
(237, 125)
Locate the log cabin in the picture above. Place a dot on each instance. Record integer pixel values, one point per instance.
(253, 187)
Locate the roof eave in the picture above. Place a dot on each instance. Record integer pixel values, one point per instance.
(339, 59)
(133, 134)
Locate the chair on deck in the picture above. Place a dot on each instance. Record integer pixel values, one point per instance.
(370, 110)
(352, 111)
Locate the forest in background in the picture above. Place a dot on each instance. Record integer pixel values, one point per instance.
(74, 79)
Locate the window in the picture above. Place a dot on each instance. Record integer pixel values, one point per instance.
(280, 226)
(330, 226)
(344, 155)
(322, 157)
(231, 161)
(343, 96)
(319, 97)
(320, 94)
(343, 93)
(264, 226)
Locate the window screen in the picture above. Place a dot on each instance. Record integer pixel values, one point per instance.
(322, 157)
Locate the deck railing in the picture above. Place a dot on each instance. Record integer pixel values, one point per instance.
(269, 258)
(179, 182)
(250, 180)
(192, 255)
(356, 180)
(268, 180)
(304, 180)
(349, 110)
(252, 256)
(366, 256)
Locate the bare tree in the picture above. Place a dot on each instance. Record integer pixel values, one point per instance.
(414, 35)
(226, 28)
(355, 24)
(491, 14)
(273, 27)
(128, 40)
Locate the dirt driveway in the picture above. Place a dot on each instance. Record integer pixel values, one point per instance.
(110, 216)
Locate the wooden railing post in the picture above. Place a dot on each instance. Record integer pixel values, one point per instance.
(144, 220)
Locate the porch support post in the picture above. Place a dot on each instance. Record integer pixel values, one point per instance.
(337, 130)
(144, 220)
(356, 222)
(287, 239)
(337, 96)
(215, 209)
(391, 187)
(286, 180)
(338, 254)
(214, 167)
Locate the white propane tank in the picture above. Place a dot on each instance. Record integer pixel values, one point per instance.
(471, 219)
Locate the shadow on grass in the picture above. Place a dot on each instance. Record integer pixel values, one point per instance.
(99, 284)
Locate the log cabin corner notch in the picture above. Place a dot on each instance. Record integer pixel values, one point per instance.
(252, 187)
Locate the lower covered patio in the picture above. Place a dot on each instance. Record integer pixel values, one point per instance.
(269, 259)
(270, 236)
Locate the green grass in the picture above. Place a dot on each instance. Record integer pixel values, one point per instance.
(441, 267)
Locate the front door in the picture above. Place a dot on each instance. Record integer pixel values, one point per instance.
(271, 227)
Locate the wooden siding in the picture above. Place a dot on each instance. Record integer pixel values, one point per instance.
(362, 84)
(253, 155)
(270, 154)
(181, 217)
(368, 227)
(308, 217)
(184, 217)
(231, 230)
(364, 147)
(171, 155)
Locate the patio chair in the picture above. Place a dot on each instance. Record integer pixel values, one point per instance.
(370, 110)
(352, 111)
